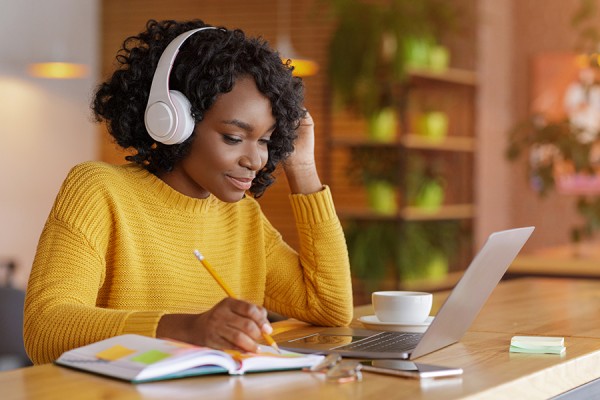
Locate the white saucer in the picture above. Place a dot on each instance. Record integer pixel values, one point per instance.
(372, 322)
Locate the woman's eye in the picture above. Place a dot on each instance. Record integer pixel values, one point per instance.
(231, 139)
(265, 141)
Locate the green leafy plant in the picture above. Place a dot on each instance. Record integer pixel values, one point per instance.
(378, 169)
(422, 243)
(373, 45)
(377, 163)
(413, 172)
(402, 251)
(553, 148)
(556, 142)
(372, 249)
(421, 176)
(374, 42)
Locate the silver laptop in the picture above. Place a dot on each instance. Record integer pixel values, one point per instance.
(449, 325)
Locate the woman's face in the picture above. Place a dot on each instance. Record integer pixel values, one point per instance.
(230, 146)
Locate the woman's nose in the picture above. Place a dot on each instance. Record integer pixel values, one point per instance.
(252, 159)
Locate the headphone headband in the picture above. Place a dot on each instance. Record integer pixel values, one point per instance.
(168, 117)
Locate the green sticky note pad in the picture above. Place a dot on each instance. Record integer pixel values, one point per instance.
(537, 344)
(150, 357)
(541, 350)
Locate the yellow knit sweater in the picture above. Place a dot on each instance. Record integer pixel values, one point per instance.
(117, 253)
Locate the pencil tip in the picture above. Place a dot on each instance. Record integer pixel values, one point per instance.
(275, 346)
(198, 255)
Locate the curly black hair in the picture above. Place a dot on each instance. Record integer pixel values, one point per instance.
(206, 66)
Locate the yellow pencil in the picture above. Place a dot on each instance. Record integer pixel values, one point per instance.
(230, 293)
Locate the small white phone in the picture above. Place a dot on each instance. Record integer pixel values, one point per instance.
(409, 369)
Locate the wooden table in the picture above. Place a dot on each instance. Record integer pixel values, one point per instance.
(528, 306)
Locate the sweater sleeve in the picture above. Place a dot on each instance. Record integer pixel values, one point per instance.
(313, 285)
(68, 272)
(60, 306)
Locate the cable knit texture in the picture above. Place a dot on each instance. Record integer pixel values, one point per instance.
(116, 254)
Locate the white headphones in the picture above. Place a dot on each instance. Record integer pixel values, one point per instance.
(168, 116)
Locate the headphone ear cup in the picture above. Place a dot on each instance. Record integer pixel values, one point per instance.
(186, 123)
(168, 116)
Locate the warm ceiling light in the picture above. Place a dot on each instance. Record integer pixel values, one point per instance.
(302, 66)
(58, 70)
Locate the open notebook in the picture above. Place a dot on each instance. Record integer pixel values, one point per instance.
(139, 359)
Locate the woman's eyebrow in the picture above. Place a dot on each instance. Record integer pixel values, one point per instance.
(244, 125)
(240, 124)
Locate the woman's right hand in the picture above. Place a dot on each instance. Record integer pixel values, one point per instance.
(230, 324)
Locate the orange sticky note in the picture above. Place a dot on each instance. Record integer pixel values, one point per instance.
(114, 353)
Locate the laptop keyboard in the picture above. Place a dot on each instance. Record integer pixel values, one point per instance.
(385, 342)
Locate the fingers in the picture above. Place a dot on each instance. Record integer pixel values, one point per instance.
(304, 145)
(235, 324)
(247, 325)
(307, 120)
(306, 125)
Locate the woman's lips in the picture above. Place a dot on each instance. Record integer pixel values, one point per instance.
(240, 183)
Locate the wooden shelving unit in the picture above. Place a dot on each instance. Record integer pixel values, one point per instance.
(445, 212)
(414, 141)
(450, 75)
(452, 92)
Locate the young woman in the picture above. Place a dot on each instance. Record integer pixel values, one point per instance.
(116, 253)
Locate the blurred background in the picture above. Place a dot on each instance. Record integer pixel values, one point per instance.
(437, 122)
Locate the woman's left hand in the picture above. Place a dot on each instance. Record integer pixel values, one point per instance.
(304, 147)
(300, 167)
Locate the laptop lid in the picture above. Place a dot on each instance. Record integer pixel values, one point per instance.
(470, 293)
(452, 320)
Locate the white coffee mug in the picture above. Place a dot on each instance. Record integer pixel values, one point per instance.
(402, 307)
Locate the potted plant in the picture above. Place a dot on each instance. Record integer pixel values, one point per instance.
(382, 170)
(371, 50)
(425, 186)
(433, 125)
(560, 160)
(393, 250)
(374, 44)
(387, 252)
(378, 169)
